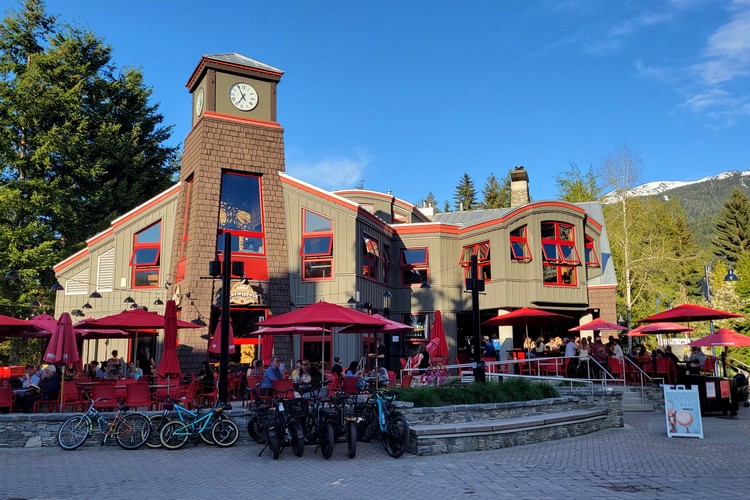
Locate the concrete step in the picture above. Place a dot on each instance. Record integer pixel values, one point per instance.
(634, 407)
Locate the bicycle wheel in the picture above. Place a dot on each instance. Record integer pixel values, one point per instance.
(225, 432)
(397, 437)
(351, 438)
(371, 429)
(174, 434)
(273, 444)
(132, 431)
(73, 432)
(298, 438)
(327, 440)
(255, 429)
(363, 427)
(157, 422)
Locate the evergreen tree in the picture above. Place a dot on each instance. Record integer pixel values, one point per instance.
(496, 195)
(465, 195)
(733, 227)
(575, 187)
(446, 206)
(430, 201)
(79, 144)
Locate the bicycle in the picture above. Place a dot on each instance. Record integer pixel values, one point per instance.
(381, 419)
(345, 423)
(257, 412)
(282, 427)
(130, 429)
(211, 427)
(319, 423)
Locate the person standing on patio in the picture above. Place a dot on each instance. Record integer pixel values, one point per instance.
(337, 369)
(113, 365)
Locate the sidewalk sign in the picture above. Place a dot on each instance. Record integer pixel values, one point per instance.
(683, 411)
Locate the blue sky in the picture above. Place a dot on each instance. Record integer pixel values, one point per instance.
(410, 95)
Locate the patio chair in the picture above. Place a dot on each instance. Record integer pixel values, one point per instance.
(391, 378)
(709, 366)
(350, 385)
(6, 398)
(104, 390)
(250, 393)
(284, 387)
(665, 368)
(617, 368)
(139, 395)
(406, 381)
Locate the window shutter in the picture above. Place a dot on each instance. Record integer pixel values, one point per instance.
(78, 284)
(105, 277)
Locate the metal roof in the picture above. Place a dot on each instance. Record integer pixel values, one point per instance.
(239, 59)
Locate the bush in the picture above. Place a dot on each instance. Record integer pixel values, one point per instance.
(504, 392)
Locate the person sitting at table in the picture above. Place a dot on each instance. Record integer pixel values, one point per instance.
(206, 376)
(134, 371)
(352, 370)
(49, 389)
(256, 369)
(113, 365)
(643, 354)
(272, 373)
(31, 376)
(422, 359)
(696, 360)
(381, 374)
(669, 354)
(336, 368)
(102, 371)
(297, 370)
(91, 369)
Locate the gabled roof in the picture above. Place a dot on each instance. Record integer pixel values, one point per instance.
(240, 60)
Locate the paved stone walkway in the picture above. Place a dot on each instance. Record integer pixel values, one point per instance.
(638, 461)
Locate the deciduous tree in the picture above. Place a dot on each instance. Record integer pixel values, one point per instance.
(575, 187)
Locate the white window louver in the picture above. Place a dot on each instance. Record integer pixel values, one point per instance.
(105, 277)
(78, 284)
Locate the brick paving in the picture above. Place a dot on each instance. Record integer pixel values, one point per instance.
(637, 461)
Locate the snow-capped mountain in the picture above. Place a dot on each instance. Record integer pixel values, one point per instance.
(663, 187)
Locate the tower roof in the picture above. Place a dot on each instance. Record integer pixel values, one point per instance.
(240, 60)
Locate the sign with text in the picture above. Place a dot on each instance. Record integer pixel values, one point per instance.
(683, 412)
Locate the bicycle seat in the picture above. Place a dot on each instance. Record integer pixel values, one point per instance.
(168, 406)
(123, 407)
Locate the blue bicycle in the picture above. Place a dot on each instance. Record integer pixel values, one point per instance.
(212, 427)
(379, 418)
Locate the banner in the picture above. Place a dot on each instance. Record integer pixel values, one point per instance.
(683, 412)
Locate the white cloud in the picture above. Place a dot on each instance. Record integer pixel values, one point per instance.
(727, 52)
(332, 172)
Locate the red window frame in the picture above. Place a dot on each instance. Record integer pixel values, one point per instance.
(482, 251)
(239, 250)
(592, 258)
(146, 268)
(386, 264)
(370, 257)
(316, 265)
(519, 245)
(410, 269)
(559, 269)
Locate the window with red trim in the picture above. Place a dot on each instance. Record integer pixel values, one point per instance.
(146, 256)
(241, 214)
(316, 250)
(592, 259)
(414, 266)
(560, 254)
(519, 245)
(386, 264)
(370, 257)
(482, 251)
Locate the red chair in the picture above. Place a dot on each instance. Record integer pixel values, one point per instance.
(350, 385)
(709, 366)
(334, 382)
(284, 387)
(139, 395)
(172, 389)
(250, 393)
(209, 398)
(74, 398)
(6, 398)
(188, 393)
(406, 381)
(104, 390)
(665, 367)
(617, 368)
(391, 378)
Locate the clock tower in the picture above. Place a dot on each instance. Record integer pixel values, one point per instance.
(230, 183)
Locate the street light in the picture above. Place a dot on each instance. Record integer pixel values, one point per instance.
(729, 277)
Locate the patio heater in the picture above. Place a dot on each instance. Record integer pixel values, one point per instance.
(215, 269)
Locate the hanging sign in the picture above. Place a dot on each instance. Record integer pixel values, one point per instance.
(683, 412)
(246, 294)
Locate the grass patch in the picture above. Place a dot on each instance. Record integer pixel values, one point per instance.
(503, 392)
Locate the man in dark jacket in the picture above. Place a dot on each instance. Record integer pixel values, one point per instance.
(49, 389)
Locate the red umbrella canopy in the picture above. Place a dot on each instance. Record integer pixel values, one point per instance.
(49, 323)
(598, 325)
(661, 327)
(323, 314)
(690, 312)
(215, 344)
(12, 327)
(169, 364)
(525, 316)
(62, 345)
(389, 327)
(440, 348)
(724, 337)
(290, 330)
(133, 319)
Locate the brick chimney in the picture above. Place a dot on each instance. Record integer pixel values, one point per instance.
(519, 187)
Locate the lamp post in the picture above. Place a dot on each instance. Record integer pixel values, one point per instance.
(225, 271)
(729, 277)
(475, 285)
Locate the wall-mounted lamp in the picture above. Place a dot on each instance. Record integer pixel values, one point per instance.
(352, 301)
(87, 306)
(199, 321)
(35, 304)
(57, 287)
(133, 306)
(95, 295)
(158, 302)
(129, 300)
(77, 313)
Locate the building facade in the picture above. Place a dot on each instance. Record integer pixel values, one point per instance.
(301, 244)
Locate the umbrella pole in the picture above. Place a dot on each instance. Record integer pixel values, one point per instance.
(62, 388)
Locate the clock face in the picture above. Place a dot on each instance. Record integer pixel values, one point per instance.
(200, 100)
(243, 96)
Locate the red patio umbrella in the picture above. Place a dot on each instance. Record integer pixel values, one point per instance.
(267, 333)
(724, 337)
(661, 327)
(13, 327)
(437, 346)
(62, 349)
(526, 316)
(169, 364)
(688, 313)
(323, 314)
(48, 323)
(214, 346)
(390, 326)
(598, 325)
